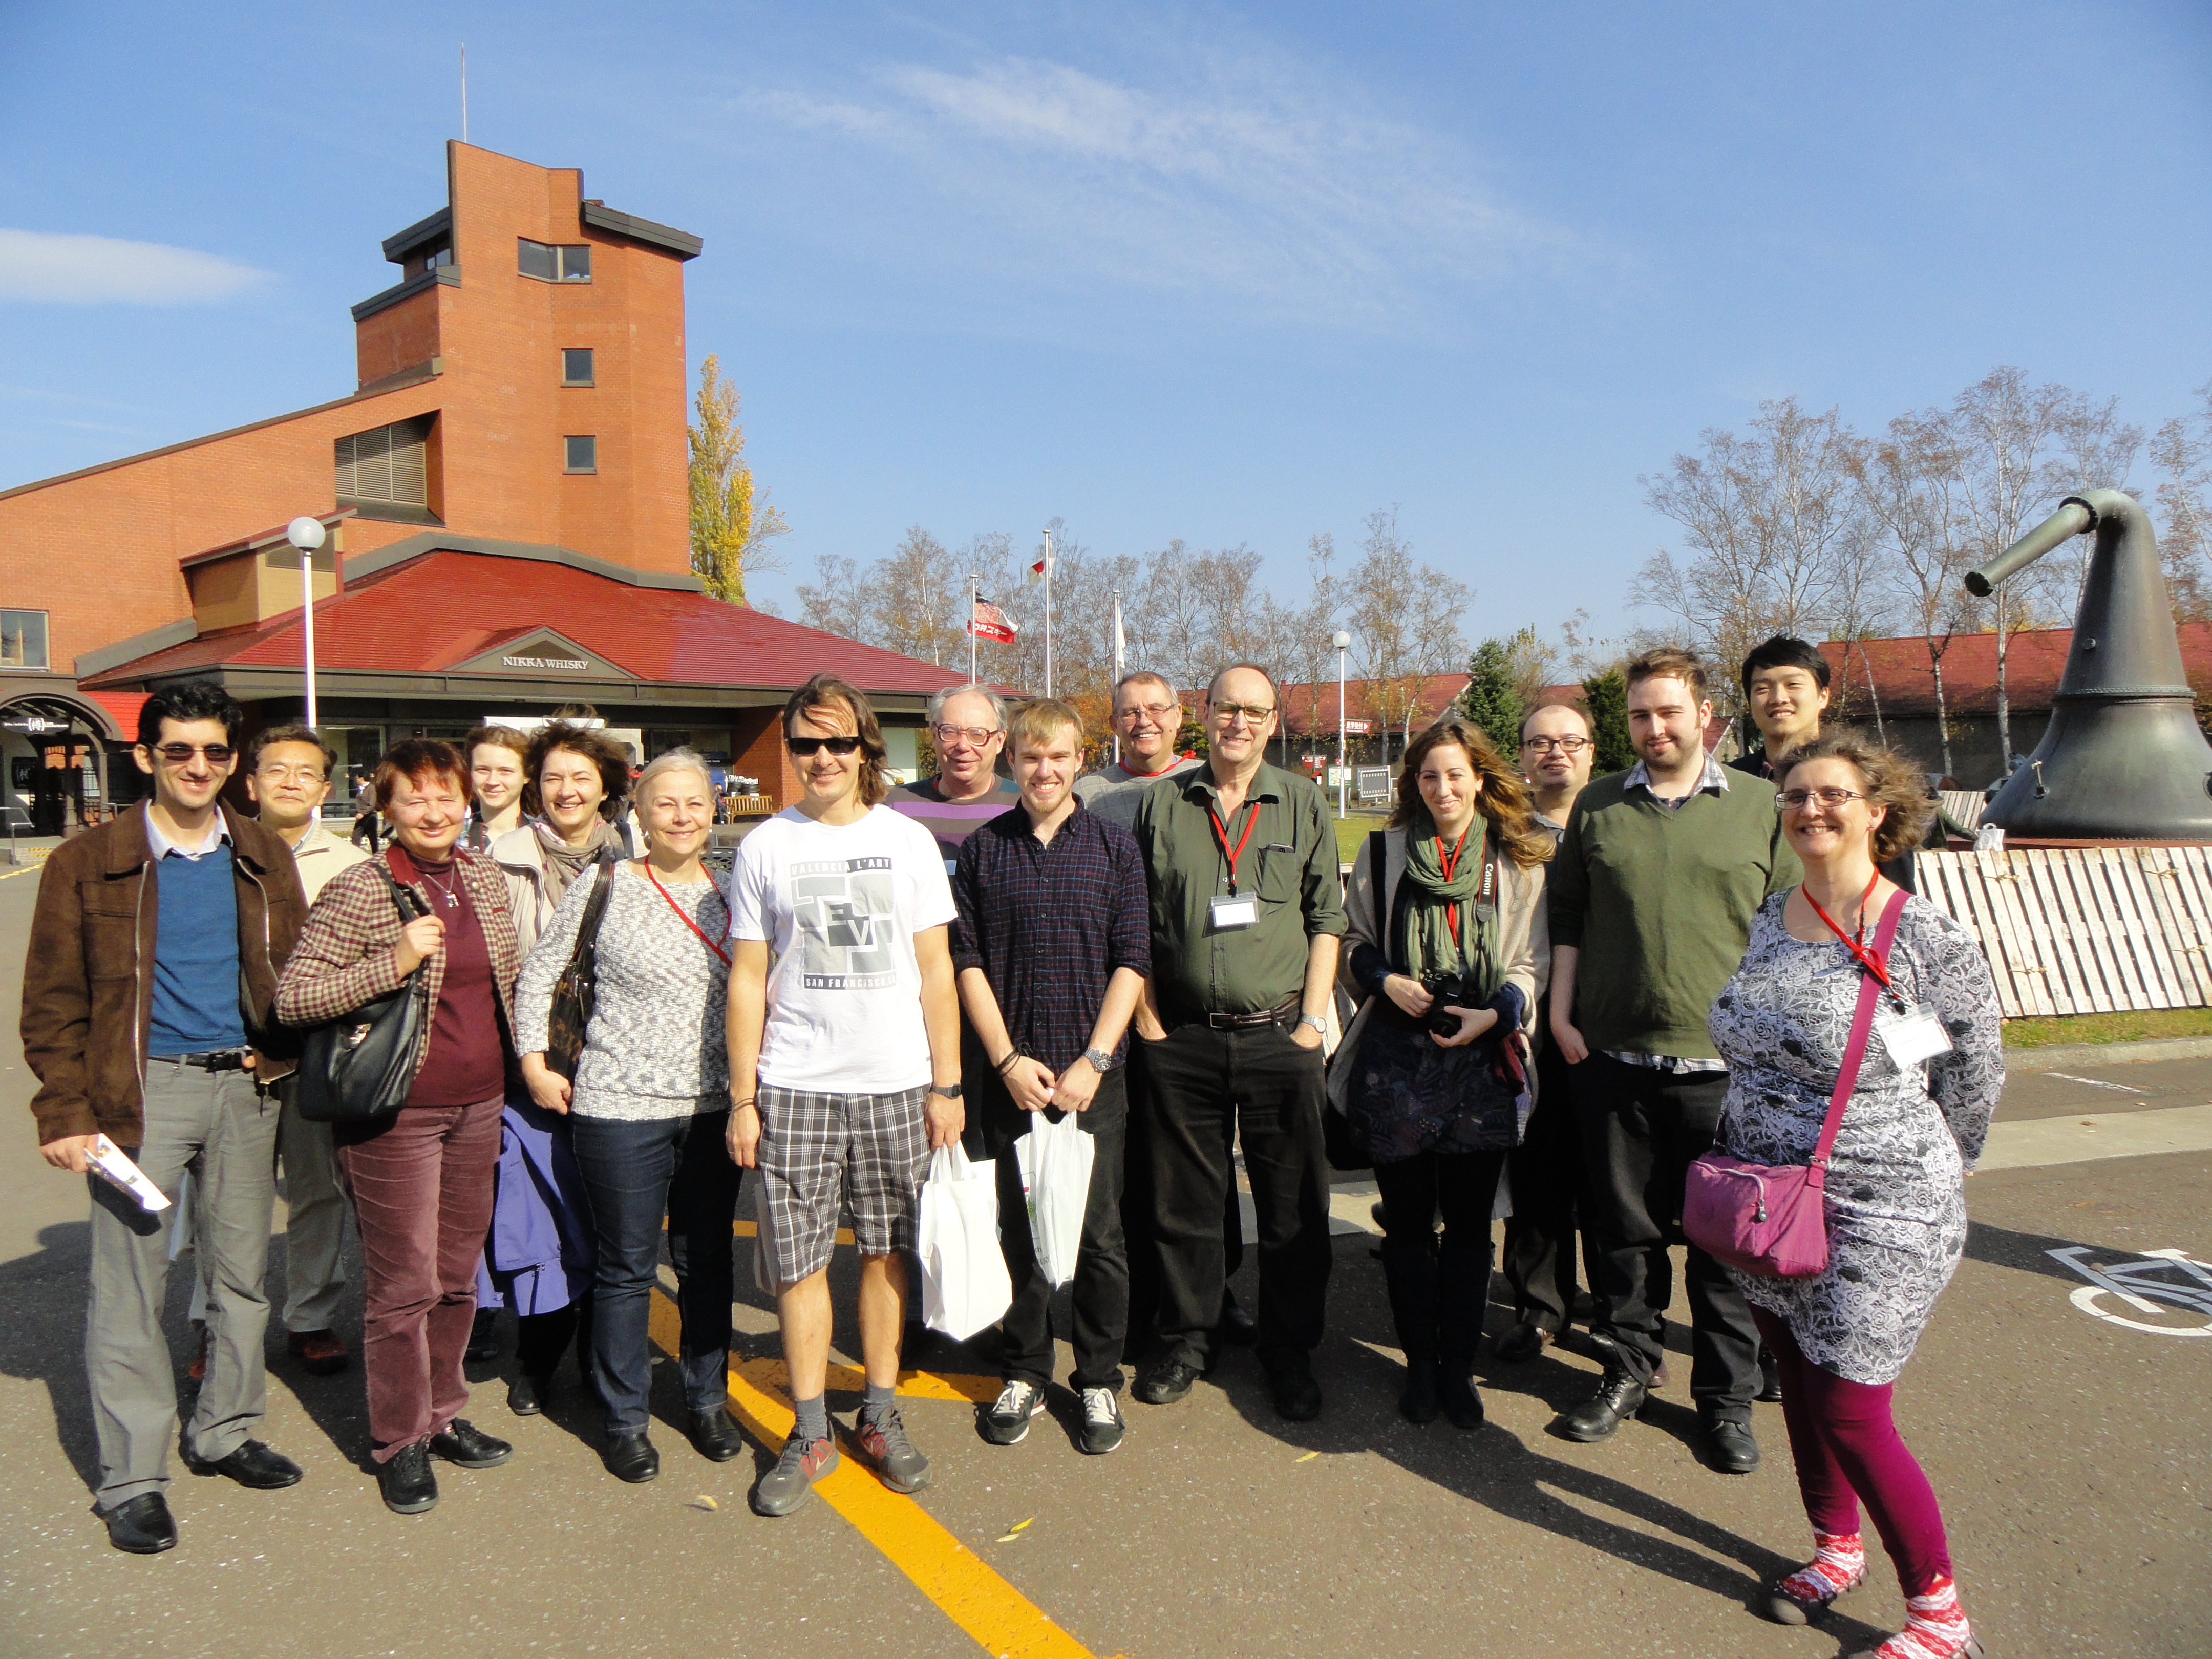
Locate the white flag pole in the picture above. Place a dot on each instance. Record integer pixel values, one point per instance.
(1117, 670)
(1048, 613)
(974, 577)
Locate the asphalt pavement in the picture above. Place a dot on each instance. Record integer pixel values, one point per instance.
(2059, 1401)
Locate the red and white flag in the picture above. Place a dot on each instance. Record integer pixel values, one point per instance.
(989, 622)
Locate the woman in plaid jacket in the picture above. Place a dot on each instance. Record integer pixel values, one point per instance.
(420, 1178)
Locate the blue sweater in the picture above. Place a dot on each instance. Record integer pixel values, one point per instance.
(196, 956)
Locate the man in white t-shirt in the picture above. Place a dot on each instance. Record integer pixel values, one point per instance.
(844, 1041)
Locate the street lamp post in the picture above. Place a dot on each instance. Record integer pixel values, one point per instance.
(307, 535)
(1342, 643)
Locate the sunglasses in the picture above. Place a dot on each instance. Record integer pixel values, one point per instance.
(177, 754)
(803, 747)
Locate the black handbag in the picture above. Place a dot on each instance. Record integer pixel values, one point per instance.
(1338, 1143)
(576, 993)
(359, 1068)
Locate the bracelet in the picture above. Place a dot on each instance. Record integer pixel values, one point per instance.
(1013, 1055)
(750, 1104)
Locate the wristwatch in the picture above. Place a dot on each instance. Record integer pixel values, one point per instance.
(945, 1091)
(1100, 1061)
(1316, 1021)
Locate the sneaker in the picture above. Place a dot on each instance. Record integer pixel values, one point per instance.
(786, 1486)
(1007, 1422)
(1103, 1427)
(898, 1464)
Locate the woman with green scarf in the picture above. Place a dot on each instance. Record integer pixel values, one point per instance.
(1446, 924)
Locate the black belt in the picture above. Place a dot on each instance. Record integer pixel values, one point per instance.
(216, 1060)
(1284, 1014)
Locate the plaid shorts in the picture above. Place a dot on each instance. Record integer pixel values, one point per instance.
(870, 1150)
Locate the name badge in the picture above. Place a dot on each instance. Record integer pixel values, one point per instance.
(1911, 1038)
(1230, 911)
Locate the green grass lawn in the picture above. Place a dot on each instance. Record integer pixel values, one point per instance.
(2108, 1028)
(1352, 830)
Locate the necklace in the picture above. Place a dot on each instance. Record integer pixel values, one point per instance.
(442, 889)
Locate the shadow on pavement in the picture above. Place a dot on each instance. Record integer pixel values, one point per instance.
(2001, 1246)
(44, 1295)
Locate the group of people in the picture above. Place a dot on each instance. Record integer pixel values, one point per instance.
(1570, 986)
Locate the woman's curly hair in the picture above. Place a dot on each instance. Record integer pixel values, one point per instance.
(1892, 780)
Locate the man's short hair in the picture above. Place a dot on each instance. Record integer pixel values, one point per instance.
(1581, 714)
(593, 745)
(296, 733)
(1275, 692)
(506, 736)
(831, 691)
(419, 760)
(938, 699)
(1670, 662)
(1040, 719)
(1145, 676)
(194, 700)
(1785, 651)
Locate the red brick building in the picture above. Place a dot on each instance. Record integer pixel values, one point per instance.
(507, 498)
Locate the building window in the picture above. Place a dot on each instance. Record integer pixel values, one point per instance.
(551, 263)
(23, 639)
(576, 366)
(583, 453)
(386, 466)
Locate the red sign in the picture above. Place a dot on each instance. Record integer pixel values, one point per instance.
(1355, 728)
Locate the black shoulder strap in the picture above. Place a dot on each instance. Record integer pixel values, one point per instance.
(403, 896)
(603, 880)
(1378, 869)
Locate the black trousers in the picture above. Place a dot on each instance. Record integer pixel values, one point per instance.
(1438, 1283)
(1143, 1249)
(1265, 1091)
(1101, 1300)
(1640, 1127)
(1547, 1174)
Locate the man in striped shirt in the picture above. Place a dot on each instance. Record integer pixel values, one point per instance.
(969, 726)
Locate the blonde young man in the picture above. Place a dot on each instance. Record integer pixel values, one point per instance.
(1052, 947)
(844, 1064)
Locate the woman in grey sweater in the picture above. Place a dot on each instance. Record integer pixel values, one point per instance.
(649, 1109)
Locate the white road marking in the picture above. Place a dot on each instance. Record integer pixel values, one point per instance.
(2097, 1083)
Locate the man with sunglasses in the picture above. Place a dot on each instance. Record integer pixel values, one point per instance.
(1247, 907)
(155, 951)
(968, 724)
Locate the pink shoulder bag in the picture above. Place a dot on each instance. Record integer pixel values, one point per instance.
(1772, 1219)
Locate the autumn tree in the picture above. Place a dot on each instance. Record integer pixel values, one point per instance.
(1404, 622)
(733, 525)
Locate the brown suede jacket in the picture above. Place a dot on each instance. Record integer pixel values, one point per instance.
(89, 976)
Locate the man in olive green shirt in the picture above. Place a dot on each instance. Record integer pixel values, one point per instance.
(1247, 907)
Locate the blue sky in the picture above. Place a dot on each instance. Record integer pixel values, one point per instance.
(1225, 273)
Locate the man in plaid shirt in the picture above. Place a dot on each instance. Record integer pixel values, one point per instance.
(1053, 946)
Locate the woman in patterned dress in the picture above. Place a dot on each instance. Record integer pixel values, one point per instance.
(1896, 1202)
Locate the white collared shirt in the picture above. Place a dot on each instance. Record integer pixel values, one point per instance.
(161, 847)
(1714, 778)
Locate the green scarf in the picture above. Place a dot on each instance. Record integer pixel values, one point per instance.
(1426, 944)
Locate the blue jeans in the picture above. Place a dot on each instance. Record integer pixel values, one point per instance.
(634, 1173)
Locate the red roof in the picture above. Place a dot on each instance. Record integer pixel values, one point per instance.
(2033, 663)
(1309, 710)
(430, 614)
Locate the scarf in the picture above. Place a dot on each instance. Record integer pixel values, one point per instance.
(564, 863)
(1429, 898)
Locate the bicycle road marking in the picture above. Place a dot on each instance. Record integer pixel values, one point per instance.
(2142, 1284)
(999, 1618)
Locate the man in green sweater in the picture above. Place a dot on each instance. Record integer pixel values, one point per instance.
(1652, 894)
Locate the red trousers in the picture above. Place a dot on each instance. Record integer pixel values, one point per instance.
(421, 1183)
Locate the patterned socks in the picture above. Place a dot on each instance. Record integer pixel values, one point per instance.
(1838, 1564)
(1935, 1627)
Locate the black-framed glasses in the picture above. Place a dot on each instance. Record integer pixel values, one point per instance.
(178, 754)
(803, 747)
(1797, 801)
(1230, 713)
(1564, 745)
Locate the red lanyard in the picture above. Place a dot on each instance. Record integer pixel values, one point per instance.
(1221, 835)
(681, 913)
(1867, 959)
(1450, 862)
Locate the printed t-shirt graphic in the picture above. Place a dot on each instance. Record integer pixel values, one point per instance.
(848, 923)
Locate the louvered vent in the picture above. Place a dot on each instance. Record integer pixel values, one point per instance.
(386, 464)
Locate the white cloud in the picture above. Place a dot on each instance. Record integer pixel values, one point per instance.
(64, 270)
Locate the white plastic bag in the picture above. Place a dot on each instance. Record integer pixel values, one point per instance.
(1055, 1161)
(963, 1276)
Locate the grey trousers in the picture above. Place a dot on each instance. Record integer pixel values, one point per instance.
(223, 1129)
(314, 1225)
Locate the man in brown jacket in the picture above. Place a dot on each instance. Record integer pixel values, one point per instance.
(153, 957)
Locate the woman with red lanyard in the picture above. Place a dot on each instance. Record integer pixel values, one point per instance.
(649, 1109)
(1916, 1114)
(1444, 931)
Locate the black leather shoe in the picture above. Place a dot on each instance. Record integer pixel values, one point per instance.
(1524, 1343)
(1770, 1377)
(1619, 1395)
(1166, 1382)
(141, 1525)
(1417, 1400)
(630, 1457)
(1236, 1325)
(525, 1394)
(1734, 1450)
(251, 1465)
(714, 1437)
(406, 1480)
(1462, 1405)
(1298, 1397)
(465, 1446)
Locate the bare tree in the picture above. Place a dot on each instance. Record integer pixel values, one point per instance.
(836, 600)
(2183, 451)
(1404, 619)
(917, 600)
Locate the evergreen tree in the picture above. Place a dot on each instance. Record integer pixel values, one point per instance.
(1492, 699)
(1606, 695)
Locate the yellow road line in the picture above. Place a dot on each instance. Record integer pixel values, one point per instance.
(28, 870)
(999, 1617)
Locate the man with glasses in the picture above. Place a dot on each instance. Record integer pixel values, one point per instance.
(1545, 1169)
(1147, 715)
(155, 951)
(1247, 907)
(968, 724)
(1653, 890)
